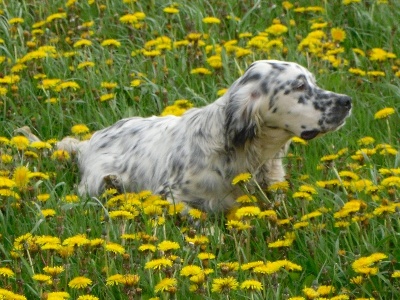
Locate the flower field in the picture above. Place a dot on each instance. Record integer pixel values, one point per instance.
(69, 68)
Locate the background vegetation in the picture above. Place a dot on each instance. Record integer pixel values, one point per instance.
(73, 67)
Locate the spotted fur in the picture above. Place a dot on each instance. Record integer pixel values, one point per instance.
(193, 158)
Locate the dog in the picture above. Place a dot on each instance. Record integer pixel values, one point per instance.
(193, 158)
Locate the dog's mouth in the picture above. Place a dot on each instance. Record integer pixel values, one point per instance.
(309, 134)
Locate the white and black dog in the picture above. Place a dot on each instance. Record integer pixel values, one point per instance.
(193, 158)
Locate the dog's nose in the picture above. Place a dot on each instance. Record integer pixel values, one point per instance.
(344, 101)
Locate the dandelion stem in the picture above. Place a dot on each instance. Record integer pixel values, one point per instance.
(339, 178)
(389, 131)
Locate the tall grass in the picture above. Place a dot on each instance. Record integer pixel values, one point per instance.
(337, 240)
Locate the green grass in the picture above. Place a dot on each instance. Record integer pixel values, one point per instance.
(321, 252)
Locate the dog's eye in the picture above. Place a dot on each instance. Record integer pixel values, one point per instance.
(301, 86)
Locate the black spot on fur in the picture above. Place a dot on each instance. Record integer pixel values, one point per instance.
(250, 76)
(264, 87)
(278, 66)
(244, 135)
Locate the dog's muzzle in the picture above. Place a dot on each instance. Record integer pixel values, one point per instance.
(339, 112)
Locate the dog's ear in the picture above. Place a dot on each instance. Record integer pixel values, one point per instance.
(241, 114)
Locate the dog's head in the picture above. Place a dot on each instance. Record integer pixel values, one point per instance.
(282, 95)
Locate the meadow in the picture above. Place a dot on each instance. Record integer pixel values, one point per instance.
(69, 68)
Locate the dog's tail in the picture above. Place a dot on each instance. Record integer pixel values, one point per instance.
(69, 144)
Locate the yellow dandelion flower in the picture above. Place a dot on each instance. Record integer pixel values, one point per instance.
(54, 271)
(96, 242)
(147, 247)
(241, 178)
(15, 21)
(129, 19)
(215, 61)
(76, 240)
(3, 91)
(42, 278)
(277, 29)
(362, 265)
(79, 129)
(165, 285)
(122, 214)
(153, 210)
(201, 71)
(136, 82)
(395, 274)
(190, 270)
(48, 212)
(338, 34)
(384, 113)
(237, 225)
(55, 16)
(224, 284)
(227, 267)
(6, 182)
(357, 71)
(246, 199)
(302, 195)
(251, 265)
(108, 85)
(358, 280)
(367, 140)
(391, 181)
(168, 246)
(21, 177)
(6, 272)
(85, 64)
(287, 5)
(114, 279)
(40, 145)
(348, 175)
(70, 198)
(299, 141)
(328, 158)
(107, 97)
(130, 279)
(79, 282)
(10, 79)
(60, 155)
(20, 142)
(211, 20)
(158, 264)
(171, 10)
(197, 240)
(281, 243)
(378, 54)
(82, 43)
(301, 224)
(87, 297)
(6, 159)
(67, 85)
(310, 293)
(114, 248)
(251, 285)
(111, 42)
(279, 186)
(205, 256)
(248, 212)
(196, 213)
(308, 189)
(58, 296)
(376, 73)
(315, 26)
